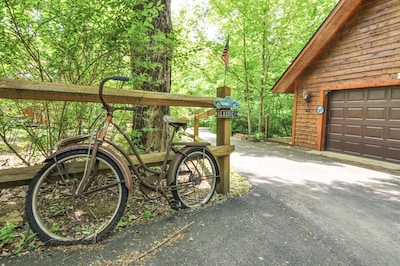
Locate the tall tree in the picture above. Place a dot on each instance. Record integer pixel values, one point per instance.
(266, 35)
(158, 76)
(70, 41)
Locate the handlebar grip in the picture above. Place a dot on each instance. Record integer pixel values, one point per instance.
(121, 78)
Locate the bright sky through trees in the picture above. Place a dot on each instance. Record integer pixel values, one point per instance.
(178, 6)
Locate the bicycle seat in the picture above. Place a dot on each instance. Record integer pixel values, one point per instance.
(176, 122)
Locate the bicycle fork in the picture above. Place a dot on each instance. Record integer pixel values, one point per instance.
(92, 165)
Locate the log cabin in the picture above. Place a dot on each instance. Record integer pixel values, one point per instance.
(346, 82)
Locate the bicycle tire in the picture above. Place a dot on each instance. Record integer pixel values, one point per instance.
(60, 218)
(194, 175)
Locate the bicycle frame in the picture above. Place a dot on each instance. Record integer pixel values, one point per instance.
(86, 182)
(127, 165)
(124, 161)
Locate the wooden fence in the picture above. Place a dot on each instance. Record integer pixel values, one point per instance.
(18, 89)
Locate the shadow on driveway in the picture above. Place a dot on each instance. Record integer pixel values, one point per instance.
(304, 209)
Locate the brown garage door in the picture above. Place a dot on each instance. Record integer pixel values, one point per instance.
(365, 122)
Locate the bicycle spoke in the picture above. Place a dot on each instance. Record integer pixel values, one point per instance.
(195, 177)
(61, 217)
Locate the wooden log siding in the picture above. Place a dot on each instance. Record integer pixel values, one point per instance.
(366, 51)
(335, 21)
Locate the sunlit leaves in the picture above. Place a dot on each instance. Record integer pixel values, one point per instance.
(72, 41)
(265, 37)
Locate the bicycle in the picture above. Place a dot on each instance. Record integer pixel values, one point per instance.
(81, 192)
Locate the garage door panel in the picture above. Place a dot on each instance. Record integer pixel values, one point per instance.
(335, 145)
(395, 95)
(365, 122)
(376, 113)
(336, 129)
(353, 147)
(394, 113)
(375, 132)
(338, 97)
(355, 95)
(376, 95)
(374, 151)
(355, 113)
(353, 130)
(394, 134)
(393, 155)
(337, 112)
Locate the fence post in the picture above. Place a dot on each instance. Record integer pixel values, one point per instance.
(196, 125)
(224, 138)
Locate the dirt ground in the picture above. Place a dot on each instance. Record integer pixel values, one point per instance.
(139, 211)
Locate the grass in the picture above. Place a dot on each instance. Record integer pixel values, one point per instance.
(239, 185)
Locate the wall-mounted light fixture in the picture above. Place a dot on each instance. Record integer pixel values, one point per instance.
(307, 99)
(306, 96)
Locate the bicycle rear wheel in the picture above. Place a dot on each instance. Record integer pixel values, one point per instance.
(195, 175)
(58, 216)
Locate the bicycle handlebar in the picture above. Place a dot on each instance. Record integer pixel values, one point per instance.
(121, 78)
(101, 87)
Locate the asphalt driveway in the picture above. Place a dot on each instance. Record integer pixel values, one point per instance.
(304, 209)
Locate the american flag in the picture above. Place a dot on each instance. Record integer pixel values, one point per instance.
(225, 55)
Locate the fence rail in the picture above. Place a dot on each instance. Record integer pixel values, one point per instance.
(19, 89)
(32, 90)
(23, 175)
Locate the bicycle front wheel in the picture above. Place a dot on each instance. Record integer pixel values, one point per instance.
(195, 175)
(59, 216)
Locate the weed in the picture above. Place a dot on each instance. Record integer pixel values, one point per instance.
(148, 213)
(55, 227)
(126, 220)
(259, 135)
(7, 234)
(9, 237)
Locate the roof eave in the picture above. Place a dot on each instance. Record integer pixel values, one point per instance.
(334, 22)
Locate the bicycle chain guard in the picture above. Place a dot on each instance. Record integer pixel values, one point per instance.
(150, 180)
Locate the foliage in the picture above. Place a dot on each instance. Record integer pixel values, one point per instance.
(79, 42)
(74, 42)
(71, 41)
(20, 241)
(265, 37)
(149, 212)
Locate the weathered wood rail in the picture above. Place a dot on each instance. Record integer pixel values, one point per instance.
(23, 175)
(18, 89)
(31, 90)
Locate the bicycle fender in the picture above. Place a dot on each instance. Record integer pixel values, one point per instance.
(73, 140)
(183, 152)
(193, 144)
(107, 151)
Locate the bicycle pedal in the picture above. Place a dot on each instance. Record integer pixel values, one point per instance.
(176, 205)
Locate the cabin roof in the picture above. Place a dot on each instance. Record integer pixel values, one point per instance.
(326, 32)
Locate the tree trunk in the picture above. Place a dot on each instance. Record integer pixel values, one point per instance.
(150, 118)
(247, 92)
(264, 78)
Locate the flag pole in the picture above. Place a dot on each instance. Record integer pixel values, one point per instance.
(225, 78)
(225, 58)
